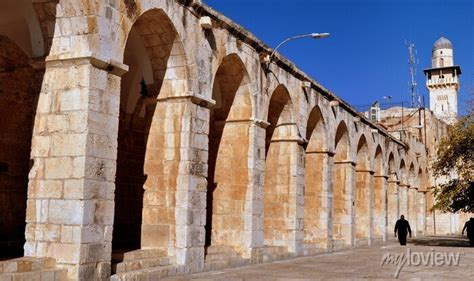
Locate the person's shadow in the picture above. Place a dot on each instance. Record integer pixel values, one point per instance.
(441, 241)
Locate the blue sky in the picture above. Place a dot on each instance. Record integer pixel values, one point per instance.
(365, 58)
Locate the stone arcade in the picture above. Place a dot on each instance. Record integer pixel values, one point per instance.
(137, 141)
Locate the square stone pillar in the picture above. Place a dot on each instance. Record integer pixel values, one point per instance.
(413, 209)
(380, 216)
(70, 207)
(191, 183)
(364, 202)
(345, 220)
(174, 206)
(253, 217)
(421, 210)
(283, 223)
(404, 199)
(318, 198)
(393, 205)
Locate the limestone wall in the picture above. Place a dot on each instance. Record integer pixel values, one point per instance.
(231, 160)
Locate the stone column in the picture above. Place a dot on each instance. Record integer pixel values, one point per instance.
(70, 208)
(318, 197)
(413, 209)
(421, 218)
(345, 220)
(404, 199)
(380, 217)
(284, 218)
(393, 204)
(253, 214)
(181, 174)
(364, 206)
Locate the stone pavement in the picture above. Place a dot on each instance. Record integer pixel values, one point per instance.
(361, 263)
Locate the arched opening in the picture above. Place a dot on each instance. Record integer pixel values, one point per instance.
(379, 223)
(393, 196)
(148, 142)
(363, 201)
(22, 52)
(20, 85)
(228, 151)
(315, 191)
(278, 174)
(342, 190)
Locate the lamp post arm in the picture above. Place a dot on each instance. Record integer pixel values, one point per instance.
(286, 41)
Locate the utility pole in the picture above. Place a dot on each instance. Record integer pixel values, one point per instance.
(412, 62)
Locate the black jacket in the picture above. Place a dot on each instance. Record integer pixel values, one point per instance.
(402, 227)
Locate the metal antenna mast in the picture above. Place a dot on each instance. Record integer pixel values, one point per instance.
(412, 62)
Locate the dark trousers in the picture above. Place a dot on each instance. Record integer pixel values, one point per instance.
(471, 241)
(402, 237)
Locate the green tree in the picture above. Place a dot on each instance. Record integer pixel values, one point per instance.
(455, 161)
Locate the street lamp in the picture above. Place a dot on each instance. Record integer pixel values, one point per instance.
(311, 35)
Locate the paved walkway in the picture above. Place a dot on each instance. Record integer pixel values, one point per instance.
(362, 263)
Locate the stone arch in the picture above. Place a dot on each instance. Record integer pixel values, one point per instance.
(20, 23)
(228, 173)
(280, 116)
(316, 171)
(280, 150)
(149, 135)
(421, 179)
(379, 206)
(342, 188)
(402, 172)
(412, 177)
(363, 194)
(20, 85)
(378, 161)
(391, 168)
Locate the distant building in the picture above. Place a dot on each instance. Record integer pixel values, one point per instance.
(442, 81)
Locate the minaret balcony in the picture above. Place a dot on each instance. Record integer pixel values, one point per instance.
(442, 81)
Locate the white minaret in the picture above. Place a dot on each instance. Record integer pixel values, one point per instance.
(442, 81)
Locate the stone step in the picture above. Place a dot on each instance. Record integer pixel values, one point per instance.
(222, 253)
(145, 254)
(222, 256)
(268, 250)
(138, 264)
(147, 274)
(220, 249)
(26, 264)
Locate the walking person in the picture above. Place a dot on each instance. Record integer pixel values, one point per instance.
(402, 227)
(469, 226)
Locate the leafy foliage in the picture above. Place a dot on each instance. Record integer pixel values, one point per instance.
(455, 162)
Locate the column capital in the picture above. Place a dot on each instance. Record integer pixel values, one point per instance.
(111, 66)
(365, 171)
(345, 162)
(198, 100)
(289, 139)
(329, 153)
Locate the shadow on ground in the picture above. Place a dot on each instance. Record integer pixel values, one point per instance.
(442, 241)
